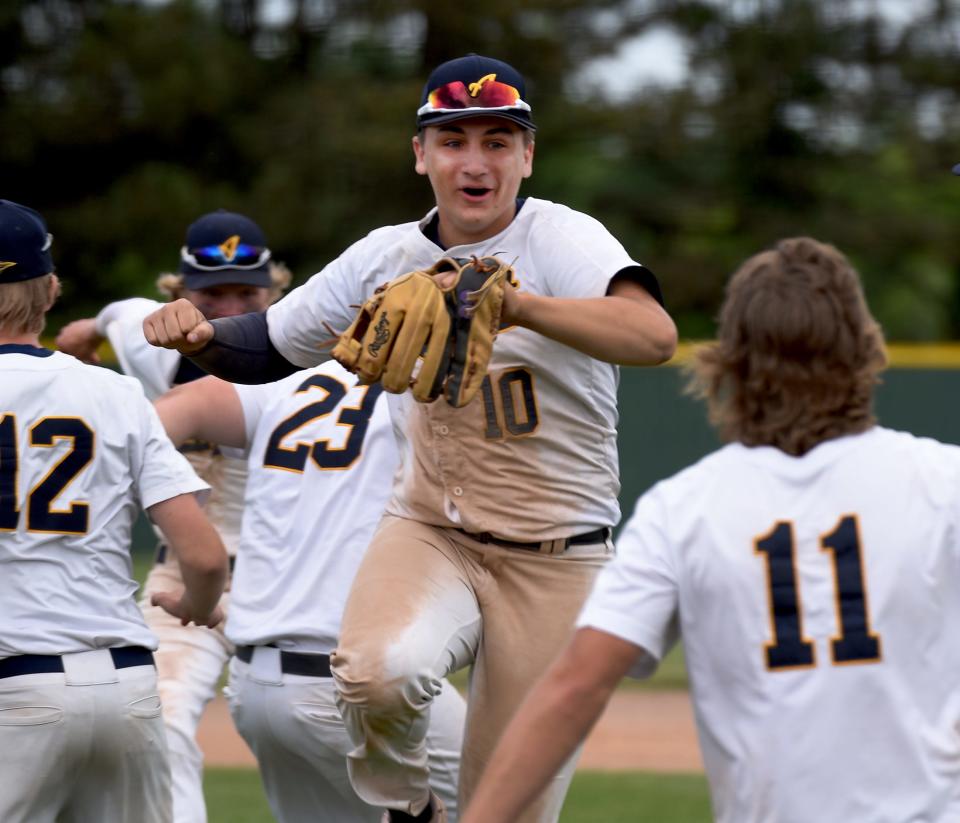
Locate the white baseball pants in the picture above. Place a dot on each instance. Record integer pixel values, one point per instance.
(83, 745)
(294, 728)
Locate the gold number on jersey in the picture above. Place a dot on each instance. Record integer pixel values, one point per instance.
(854, 641)
(41, 516)
(518, 400)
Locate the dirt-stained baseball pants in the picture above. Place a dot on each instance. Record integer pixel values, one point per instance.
(83, 745)
(293, 726)
(190, 662)
(426, 602)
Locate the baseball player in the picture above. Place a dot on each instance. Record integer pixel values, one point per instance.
(225, 270)
(321, 458)
(81, 450)
(502, 509)
(812, 567)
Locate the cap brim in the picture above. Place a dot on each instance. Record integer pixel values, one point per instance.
(226, 277)
(466, 114)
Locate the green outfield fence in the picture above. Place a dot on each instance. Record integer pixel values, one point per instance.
(662, 430)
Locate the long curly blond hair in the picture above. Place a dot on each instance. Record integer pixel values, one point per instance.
(171, 285)
(798, 353)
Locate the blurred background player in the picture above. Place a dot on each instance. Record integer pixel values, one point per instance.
(225, 269)
(502, 510)
(812, 567)
(322, 457)
(81, 450)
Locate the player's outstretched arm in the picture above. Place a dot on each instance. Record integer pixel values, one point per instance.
(81, 339)
(202, 556)
(554, 718)
(628, 326)
(178, 325)
(206, 409)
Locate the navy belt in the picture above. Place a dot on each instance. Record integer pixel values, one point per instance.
(123, 658)
(162, 556)
(307, 665)
(551, 546)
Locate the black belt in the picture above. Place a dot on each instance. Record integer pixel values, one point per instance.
(123, 658)
(162, 556)
(308, 665)
(552, 546)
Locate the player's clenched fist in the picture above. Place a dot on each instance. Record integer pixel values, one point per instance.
(178, 325)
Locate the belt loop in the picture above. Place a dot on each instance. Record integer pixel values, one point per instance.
(558, 546)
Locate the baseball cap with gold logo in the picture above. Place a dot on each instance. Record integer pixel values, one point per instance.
(24, 243)
(225, 248)
(474, 86)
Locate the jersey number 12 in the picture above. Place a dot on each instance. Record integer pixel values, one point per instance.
(854, 641)
(41, 516)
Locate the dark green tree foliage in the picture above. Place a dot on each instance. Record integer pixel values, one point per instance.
(123, 121)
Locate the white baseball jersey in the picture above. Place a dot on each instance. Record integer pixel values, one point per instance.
(322, 458)
(81, 450)
(819, 603)
(121, 323)
(534, 456)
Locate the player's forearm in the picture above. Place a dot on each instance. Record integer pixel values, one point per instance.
(614, 329)
(199, 550)
(241, 351)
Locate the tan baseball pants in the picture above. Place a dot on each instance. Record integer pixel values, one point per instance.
(426, 602)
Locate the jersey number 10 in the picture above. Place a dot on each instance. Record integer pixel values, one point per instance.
(854, 642)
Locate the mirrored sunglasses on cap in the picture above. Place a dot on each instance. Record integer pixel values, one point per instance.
(226, 256)
(485, 94)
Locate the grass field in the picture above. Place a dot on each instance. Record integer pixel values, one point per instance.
(235, 796)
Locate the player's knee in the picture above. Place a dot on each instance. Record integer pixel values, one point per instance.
(379, 688)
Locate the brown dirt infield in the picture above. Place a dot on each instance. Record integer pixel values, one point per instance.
(639, 731)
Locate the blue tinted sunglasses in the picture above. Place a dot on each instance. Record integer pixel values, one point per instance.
(226, 256)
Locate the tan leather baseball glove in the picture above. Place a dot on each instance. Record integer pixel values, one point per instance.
(445, 318)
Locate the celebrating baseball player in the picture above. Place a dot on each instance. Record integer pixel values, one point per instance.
(80, 731)
(321, 456)
(507, 487)
(225, 269)
(811, 566)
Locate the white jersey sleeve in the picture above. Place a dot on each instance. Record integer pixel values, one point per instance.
(121, 322)
(82, 451)
(636, 597)
(578, 251)
(321, 462)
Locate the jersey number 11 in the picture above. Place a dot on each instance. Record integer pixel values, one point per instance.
(854, 641)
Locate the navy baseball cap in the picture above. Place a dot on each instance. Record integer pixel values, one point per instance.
(223, 247)
(956, 169)
(24, 244)
(474, 86)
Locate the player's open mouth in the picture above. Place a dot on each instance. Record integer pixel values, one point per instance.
(475, 192)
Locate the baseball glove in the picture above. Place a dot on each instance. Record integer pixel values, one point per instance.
(449, 327)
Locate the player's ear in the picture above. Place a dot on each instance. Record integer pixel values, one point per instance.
(420, 166)
(528, 147)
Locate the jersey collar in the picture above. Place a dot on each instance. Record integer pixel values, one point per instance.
(24, 348)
